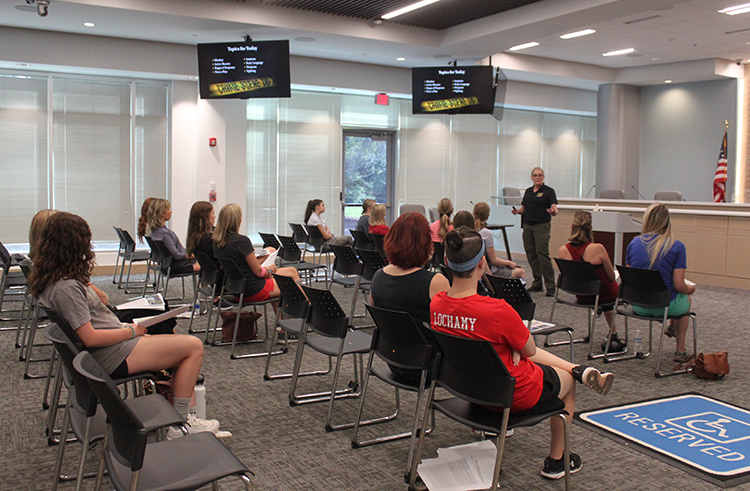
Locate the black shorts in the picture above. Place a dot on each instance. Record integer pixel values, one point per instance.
(183, 267)
(549, 400)
(121, 371)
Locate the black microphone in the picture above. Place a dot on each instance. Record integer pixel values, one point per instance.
(639, 193)
(587, 194)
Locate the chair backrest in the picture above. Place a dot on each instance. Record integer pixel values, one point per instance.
(434, 214)
(361, 239)
(665, 195)
(210, 267)
(128, 239)
(377, 242)
(372, 261)
(290, 251)
(293, 303)
(5, 258)
(643, 287)
(510, 194)
(346, 261)
(156, 256)
(315, 237)
(612, 194)
(472, 370)
(234, 280)
(56, 318)
(515, 294)
(128, 435)
(166, 257)
(399, 340)
(438, 254)
(326, 316)
(118, 231)
(577, 277)
(299, 233)
(411, 208)
(269, 240)
(67, 352)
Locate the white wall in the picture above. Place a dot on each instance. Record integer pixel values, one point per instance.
(681, 130)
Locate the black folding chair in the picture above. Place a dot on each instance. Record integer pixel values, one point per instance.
(399, 341)
(438, 255)
(12, 286)
(333, 337)
(293, 307)
(233, 288)
(188, 462)
(130, 255)
(515, 294)
(460, 360)
(377, 242)
(645, 288)
(167, 263)
(211, 277)
(292, 255)
(153, 264)
(361, 239)
(578, 278)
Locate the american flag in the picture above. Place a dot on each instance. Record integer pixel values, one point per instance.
(720, 178)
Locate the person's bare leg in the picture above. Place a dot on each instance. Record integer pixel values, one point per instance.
(557, 430)
(518, 272)
(588, 376)
(680, 330)
(182, 352)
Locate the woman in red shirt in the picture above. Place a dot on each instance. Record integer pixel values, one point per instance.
(541, 377)
(377, 220)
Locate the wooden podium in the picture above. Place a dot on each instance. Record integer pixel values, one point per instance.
(614, 231)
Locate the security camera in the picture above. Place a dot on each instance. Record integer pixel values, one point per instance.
(739, 62)
(42, 6)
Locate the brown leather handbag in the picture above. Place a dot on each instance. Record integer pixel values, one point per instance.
(246, 332)
(710, 366)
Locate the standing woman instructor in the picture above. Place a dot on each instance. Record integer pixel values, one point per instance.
(538, 207)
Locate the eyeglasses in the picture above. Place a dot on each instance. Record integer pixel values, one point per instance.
(537, 175)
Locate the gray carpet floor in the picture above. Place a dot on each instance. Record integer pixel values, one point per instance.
(289, 449)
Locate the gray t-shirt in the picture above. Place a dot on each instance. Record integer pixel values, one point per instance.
(489, 241)
(79, 304)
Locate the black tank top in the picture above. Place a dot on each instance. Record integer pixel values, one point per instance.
(408, 293)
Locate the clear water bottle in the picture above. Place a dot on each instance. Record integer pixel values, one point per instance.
(638, 344)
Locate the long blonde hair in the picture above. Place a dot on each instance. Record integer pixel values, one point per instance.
(228, 223)
(581, 229)
(377, 215)
(445, 210)
(156, 213)
(656, 232)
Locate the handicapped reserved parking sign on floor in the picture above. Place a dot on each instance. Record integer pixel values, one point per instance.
(701, 433)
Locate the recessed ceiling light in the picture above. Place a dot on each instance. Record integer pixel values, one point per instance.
(523, 46)
(619, 52)
(655, 58)
(89, 24)
(400, 59)
(408, 8)
(305, 39)
(737, 9)
(572, 35)
(667, 81)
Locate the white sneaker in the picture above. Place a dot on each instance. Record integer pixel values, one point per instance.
(194, 425)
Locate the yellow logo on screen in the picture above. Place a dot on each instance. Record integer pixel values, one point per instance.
(229, 88)
(445, 104)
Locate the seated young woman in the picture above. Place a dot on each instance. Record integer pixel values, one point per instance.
(39, 223)
(315, 208)
(143, 220)
(404, 284)
(377, 220)
(541, 377)
(656, 248)
(230, 244)
(60, 280)
(497, 266)
(581, 247)
(363, 223)
(442, 225)
(159, 213)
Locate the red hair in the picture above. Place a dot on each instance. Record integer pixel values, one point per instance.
(408, 243)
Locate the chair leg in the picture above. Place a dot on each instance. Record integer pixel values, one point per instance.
(501, 448)
(48, 382)
(60, 450)
(411, 476)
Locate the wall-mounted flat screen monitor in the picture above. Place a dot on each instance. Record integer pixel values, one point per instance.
(243, 70)
(452, 90)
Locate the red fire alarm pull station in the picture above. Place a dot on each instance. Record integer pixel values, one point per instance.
(381, 99)
(212, 141)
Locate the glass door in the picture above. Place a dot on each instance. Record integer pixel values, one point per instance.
(368, 173)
